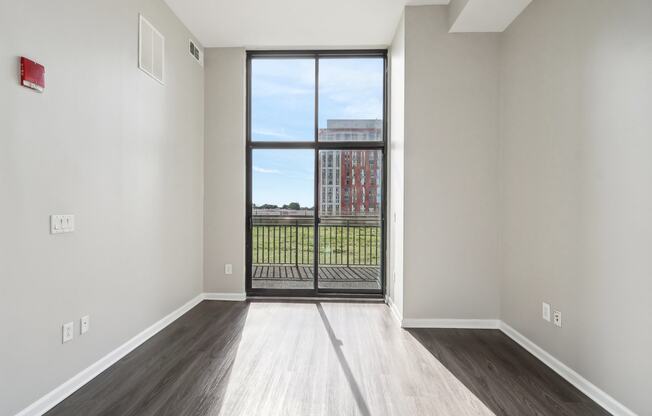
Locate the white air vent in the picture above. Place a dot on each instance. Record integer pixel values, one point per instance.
(196, 52)
(151, 50)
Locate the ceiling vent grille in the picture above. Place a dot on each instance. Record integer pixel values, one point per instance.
(151, 50)
(196, 52)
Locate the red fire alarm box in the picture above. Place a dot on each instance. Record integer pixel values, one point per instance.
(32, 75)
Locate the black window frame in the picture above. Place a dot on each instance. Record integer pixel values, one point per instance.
(315, 145)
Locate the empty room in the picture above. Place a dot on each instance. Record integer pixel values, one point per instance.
(326, 207)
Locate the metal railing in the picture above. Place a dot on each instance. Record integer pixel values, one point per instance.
(342, 241)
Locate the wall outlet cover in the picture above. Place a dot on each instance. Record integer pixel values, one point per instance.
(556, 318)
(84, 324)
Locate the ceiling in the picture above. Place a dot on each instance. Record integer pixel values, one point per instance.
(293, 23)
(486, 15)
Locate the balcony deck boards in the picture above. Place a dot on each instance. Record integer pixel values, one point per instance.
(328, 273)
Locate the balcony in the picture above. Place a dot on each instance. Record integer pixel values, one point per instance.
(349, 253)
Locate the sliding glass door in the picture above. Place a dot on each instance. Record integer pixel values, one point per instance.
(350, 220)
(315, 172)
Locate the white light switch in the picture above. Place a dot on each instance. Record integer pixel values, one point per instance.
(62, 223)
(228, 269)
(545, 311)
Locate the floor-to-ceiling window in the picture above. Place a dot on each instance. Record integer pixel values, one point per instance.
(316, 134)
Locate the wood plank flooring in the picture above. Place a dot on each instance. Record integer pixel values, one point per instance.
(319, 358)
(507, 378)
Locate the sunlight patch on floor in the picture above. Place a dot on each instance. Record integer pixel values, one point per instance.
(338, 359)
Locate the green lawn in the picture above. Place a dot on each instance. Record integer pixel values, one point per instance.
(280, 245)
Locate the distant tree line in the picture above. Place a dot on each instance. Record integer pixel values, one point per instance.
(291, 205)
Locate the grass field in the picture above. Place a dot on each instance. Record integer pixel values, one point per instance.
(289, 244)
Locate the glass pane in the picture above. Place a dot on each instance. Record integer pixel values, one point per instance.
(350, 233)
(282, 99)
(351, 99)
(282, 239)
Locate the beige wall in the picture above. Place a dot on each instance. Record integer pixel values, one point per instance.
(576, 94)
(451, 174)
(224, 205)
(117, 149)
(396, 169)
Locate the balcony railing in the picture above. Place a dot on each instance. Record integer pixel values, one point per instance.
(342, 241)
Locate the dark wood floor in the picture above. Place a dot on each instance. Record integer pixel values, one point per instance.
(318, 358)
(507, 378)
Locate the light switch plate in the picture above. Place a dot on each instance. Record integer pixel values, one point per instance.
(62, 223)
(84, 324)
(228, 269)
(545, 311)
(67, 332)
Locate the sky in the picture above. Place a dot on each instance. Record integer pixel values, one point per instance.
(283, 108)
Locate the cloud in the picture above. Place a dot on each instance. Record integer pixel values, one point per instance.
(352, 88)
(280, 88)
(283, 78)
(269, 133)
(263, 170)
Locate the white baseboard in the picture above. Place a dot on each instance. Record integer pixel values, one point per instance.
(451, 323)
(440, 323)
(238, 297)
(394, 310)
(592, 391)
(57, 395)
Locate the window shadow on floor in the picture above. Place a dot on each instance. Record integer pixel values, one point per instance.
(182, 370)
(350, 378)
(503, 375)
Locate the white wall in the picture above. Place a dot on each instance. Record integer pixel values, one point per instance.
(451, 174)
(576, 94)
(396, 169)
(224, 206)
(117, 149)
(455, 8)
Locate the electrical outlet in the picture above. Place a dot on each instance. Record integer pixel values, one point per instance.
(556, 318)
(68, 332)
(545, 311)
(228, 269)
(84, 324)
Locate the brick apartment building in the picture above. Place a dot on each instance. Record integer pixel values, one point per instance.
(350, 180)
